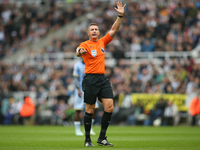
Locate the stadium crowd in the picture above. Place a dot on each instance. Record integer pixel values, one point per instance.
(147, 26)
(23, 25)
(57, 81)
(150, 26)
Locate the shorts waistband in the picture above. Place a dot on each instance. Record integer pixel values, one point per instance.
(93, 74)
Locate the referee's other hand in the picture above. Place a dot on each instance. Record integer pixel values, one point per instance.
(83, 51)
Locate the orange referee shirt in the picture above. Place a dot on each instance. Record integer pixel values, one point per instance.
(94, 58)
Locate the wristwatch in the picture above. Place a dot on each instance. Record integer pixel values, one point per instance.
(79, 50)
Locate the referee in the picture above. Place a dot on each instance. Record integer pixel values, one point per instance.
(95, 83)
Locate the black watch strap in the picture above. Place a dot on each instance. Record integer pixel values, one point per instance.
(79, 50)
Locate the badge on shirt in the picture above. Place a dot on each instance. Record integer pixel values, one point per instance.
(94, 53)
(102, 50)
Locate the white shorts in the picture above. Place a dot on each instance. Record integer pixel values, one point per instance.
(79, 101)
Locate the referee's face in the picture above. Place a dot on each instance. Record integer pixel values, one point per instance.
(93, 32)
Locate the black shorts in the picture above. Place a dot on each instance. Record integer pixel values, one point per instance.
(96, 85)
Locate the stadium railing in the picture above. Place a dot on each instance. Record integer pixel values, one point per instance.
(131, 57)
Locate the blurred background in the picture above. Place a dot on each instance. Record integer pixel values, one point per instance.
(153, 62)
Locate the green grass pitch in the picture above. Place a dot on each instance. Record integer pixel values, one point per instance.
(123, 138)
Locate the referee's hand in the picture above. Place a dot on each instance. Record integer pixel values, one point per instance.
(82, 51)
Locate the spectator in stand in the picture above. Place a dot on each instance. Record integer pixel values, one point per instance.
(44, 113)
(60, 112)
(135, 46)
(171, 114)
(147, 46)
(4, 109)
(157, 112)
(136, 116)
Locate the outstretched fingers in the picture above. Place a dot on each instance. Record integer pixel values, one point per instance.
(119, 4)
(120, 7)
(124, 5)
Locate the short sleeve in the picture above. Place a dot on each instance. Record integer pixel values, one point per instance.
(83, 45)
(106, 39)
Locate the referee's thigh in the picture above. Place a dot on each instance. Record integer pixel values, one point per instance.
(106, 89)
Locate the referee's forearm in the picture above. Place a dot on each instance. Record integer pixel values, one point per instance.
(115, 27)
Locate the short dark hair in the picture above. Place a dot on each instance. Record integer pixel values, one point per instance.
(92, 24)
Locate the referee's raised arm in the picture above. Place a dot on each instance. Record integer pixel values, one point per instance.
(117, 23)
